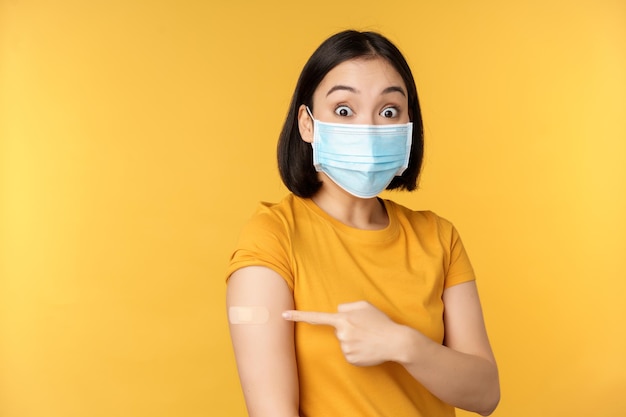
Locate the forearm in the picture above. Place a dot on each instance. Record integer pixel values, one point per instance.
(463, 380)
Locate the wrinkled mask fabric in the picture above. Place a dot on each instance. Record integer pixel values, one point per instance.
(361, 159)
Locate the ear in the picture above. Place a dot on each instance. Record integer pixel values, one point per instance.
(305, 124)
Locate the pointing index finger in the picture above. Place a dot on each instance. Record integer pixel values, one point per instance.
(311, 317)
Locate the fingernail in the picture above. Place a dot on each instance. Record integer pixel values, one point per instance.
(287, 315)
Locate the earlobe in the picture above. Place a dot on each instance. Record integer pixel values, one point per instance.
(305, 124)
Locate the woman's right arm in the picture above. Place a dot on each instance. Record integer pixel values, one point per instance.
(263, 341)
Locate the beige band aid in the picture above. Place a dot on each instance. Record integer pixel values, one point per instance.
(248, 315)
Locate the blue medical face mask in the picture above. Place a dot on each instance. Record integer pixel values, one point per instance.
(361, 159)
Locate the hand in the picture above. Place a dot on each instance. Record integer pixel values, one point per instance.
(365, 333)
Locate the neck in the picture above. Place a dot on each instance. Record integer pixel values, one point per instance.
(360, 213)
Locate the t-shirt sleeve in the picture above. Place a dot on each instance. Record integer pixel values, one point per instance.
(263, 241)
(458, 268)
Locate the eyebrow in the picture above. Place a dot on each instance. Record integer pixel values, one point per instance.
(342, 87)
(393, 89)
(387, 90)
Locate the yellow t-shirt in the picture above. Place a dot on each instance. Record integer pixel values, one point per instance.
(402, 270)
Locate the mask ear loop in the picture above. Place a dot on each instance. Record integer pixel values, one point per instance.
(310, 114)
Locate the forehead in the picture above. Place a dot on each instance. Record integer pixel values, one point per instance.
(362, 73)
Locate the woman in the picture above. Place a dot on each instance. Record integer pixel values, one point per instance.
(342, 303)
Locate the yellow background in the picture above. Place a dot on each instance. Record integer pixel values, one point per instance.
(137, 137)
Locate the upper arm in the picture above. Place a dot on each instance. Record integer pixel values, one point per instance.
(464, 323)
(265, 352)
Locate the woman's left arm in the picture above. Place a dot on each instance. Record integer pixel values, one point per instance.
(462, 371)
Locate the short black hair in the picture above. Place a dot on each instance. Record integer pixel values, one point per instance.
(295, 156)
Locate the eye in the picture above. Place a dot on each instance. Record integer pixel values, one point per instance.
(389, 112)
(343, 111)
